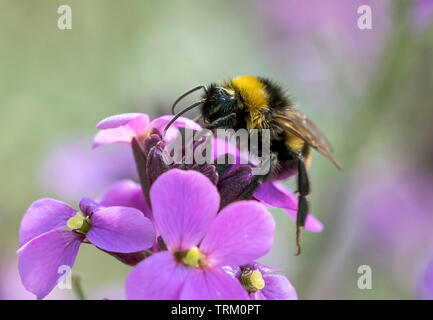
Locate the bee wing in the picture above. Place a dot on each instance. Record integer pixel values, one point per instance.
(295, 122)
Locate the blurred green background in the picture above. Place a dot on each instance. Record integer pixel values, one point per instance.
(370, 91)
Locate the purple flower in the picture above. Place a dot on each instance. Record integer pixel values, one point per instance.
(199, 242)
(45, 246)
(230, 179)
(125, 127)
(261, 284)
(151, 159)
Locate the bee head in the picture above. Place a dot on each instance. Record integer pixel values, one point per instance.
(218, 102)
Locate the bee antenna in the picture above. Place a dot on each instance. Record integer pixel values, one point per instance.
(187, 93)
(181, 112)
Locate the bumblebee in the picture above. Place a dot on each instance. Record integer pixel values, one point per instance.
(250, 102)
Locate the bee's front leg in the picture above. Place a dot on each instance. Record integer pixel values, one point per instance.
(228, 121)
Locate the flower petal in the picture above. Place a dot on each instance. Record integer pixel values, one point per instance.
(184, 204)
(312, 223)
(258, 295)
(159, 277)
(42, 216)
(42, 259)
(161, 122)
(275, 194)
(121, 130)
(277, 287)
(88, 206)
(212, 284)
(242, 231)
(121, 229)
(126, 193)
(118, 120)
(261, 267)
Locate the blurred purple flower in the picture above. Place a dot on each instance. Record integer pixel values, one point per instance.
(71, 169)
(318, 45)
(425, 286)
(423, 14)
(397, 207)
(200, 242)
(333, 21)
(394, 206)
(261, 283)
(44, 246)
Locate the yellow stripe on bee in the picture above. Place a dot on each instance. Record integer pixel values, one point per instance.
(307, 160)
(254, 94)
(297, 144)
(294, 143)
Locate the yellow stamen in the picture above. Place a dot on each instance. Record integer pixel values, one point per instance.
(193, 258)
(79, 222)
(252, 280)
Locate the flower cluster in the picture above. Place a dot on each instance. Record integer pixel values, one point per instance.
(186, 227)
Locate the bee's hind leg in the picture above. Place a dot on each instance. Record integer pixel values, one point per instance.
(304, 191)
(303, 183)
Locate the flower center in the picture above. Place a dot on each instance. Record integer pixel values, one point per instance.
(193, 258)
(252, 280)
(79, 223)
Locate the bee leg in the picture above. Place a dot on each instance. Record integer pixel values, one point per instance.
(228, 121)
(303, 205)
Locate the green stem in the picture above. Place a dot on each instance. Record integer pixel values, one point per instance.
(78, 289)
